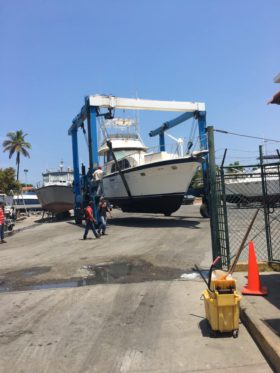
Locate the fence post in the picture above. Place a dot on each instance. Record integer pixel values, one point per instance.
(212, 190)
(265, 207)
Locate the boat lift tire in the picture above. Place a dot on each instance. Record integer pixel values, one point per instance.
(235, 333)
(167, 213)
(204, 210)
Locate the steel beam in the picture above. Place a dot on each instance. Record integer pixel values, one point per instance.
(161, 142)
(202, 130)
(171, 123)
(201, 117)
(79, 119)
(92, 138)
(140, 104)
(76, 186)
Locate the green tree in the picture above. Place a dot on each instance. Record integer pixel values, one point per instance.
(235, 167)
(16, 144)
(8, 181)
(197, 181)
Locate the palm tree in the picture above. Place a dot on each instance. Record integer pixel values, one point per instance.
(16, 143)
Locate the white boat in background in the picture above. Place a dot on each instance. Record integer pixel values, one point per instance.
(246, 187)
(27, 201)
(24, 202)
(56, 194)
(153, 182)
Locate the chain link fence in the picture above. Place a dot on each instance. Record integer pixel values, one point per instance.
(239, 193)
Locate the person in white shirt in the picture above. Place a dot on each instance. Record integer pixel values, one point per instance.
(98, 178)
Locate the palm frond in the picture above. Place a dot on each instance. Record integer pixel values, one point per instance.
(25, 152)
(26, 144)
(11, 135)
(12, 149)
(6, 143)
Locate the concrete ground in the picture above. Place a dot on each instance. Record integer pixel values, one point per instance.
(261, 315)
(131, 324)
(178, 241)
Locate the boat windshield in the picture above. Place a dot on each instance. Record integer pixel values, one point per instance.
(120, 154)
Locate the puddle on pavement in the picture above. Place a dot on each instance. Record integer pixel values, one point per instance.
(106, 273)
(28, 272)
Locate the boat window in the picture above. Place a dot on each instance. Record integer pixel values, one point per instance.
(109, 156)
(122, 164)
(26, 201)
(121, 154)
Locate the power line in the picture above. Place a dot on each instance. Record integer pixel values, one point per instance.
(238, 150)
(251, 137)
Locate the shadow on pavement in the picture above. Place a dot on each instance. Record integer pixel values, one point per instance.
(154, 222)
(53, 220)
(207, 332)
(272, 282)
(274, 324)
(197, 217)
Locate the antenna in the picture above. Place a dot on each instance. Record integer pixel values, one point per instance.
(180, 143)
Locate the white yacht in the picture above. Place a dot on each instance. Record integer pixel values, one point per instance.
(23, 202)
(27, 201)
(246, 187)
(56, 194)
(139, 180)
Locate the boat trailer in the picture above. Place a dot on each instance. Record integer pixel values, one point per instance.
(94, 107)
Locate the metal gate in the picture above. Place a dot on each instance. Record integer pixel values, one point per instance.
(234, 196)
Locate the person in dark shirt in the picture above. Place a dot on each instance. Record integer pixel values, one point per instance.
(103, 209)
(90, 220)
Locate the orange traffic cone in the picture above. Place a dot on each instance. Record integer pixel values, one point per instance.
(254, 285)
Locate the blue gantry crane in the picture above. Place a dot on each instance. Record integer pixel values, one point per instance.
(101, 105)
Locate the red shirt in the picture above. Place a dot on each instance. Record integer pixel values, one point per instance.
(89, 213)
(2, 216)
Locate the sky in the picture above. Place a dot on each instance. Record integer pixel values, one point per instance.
(55, 52)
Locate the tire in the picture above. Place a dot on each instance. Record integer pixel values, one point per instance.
(213, 333)
(235, 333)
(167, 213)
(204, 211)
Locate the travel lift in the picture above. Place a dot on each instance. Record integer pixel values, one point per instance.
(92, 109)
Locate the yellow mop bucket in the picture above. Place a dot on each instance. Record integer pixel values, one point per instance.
(222, 303)
(221, 299)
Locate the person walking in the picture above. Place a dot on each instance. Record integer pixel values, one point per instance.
(90, 220)
(2, 223)
(98, 178)
(103, 208)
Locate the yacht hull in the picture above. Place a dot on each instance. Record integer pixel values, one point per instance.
(155, 188)
(252, 191)
(56, 198)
